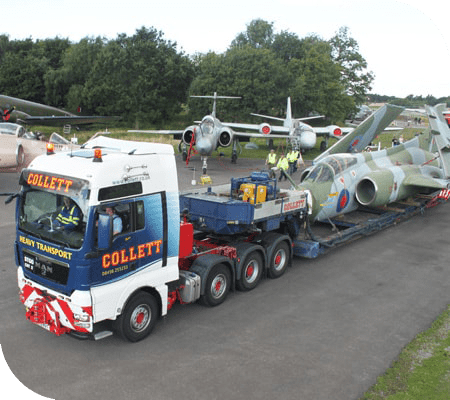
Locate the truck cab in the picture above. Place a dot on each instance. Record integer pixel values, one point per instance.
(73, 275)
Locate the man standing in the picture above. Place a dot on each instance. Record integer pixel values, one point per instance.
(283, 165)
(292, 160)
(271, 161)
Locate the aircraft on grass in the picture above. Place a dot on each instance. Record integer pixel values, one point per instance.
(207, 136)
(301, 136)
(341, 179)
(210, 133)
(27, 112)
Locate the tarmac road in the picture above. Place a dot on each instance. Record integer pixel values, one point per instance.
(324, 330)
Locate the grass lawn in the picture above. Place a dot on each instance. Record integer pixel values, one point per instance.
(260, 153)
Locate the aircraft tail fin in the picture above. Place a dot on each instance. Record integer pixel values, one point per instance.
(215, 97)
(440, 133)
(288, 112)
(364, 134)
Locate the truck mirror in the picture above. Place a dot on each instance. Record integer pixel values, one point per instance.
(104, 231)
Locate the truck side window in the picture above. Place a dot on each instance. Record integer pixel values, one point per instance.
(140, 215)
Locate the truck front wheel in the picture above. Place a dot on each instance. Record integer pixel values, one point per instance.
(217, 286)
(139, 317)
(251, 272)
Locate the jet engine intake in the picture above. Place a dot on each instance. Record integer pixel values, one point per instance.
(187, 135)
(375, 189)
(334, 131)
(225, 137)
(265, 128)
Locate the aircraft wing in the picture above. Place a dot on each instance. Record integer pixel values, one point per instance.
(66, 119)
(424, 181)
(261, 135)
(325, 131)
(256, 127)
(364, 134)
(160, 132)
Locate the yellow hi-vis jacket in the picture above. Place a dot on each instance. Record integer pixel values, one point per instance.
(283, 163)
(271, 158)
(292, 157)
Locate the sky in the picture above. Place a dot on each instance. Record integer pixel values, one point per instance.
(405, 42)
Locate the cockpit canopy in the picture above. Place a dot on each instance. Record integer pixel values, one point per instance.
(329, 167)
(207, 125)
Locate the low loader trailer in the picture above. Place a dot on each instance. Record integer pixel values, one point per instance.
(91, 281)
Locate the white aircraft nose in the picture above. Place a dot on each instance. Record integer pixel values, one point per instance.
(204, 146)
(308, 140)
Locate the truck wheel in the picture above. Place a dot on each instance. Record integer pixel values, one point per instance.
(217, 286)
(279, 260)
(139, 317)
(251, 272)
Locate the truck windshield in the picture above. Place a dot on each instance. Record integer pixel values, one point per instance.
(53, 207)
(52, 217)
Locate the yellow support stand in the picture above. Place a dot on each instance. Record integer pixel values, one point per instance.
(205, 179)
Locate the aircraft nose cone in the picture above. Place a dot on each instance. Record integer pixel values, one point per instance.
(308, 140)
(204, 147)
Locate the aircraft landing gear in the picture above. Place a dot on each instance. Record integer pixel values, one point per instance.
(234, 154)
(205, 165)
(182, 148)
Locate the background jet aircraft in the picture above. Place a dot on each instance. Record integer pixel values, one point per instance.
(206, 137)
(19, 146)
(301, 136)
(211, 133)
(341, 180)
(27, 112)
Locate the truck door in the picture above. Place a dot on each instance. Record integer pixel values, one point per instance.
(140, 241)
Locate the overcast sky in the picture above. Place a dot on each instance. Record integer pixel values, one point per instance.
(405, 42)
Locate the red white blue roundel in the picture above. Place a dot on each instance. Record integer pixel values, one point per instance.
(343, 200)
(354, 143)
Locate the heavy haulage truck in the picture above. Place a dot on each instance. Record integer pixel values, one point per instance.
(172, 247)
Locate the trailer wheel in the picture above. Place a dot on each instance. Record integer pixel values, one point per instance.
(251, 272)
(217, 286)
(139, 317)
(279, 260)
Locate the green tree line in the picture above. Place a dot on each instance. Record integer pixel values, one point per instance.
(146, 80)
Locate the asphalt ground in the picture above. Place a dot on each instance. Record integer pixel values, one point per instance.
(324, 330)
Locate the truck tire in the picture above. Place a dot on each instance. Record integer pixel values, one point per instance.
(217, 286)
(251, 272)
(138, 318)
(279, 260)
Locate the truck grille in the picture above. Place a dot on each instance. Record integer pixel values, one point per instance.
(46, 267)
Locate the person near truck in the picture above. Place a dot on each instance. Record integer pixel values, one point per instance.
(117, 221)
(283, 166)
(292, 157)
(271, 162)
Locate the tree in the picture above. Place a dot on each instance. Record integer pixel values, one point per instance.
(62, 85)
(259, 34)
(287, 46)
(141, 77)
(354, 76)
(255, 74)
(315, 82)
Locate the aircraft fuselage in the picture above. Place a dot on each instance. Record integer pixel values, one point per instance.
(340, 183)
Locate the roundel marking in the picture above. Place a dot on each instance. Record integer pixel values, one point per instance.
(355, 142)
(343, 200)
